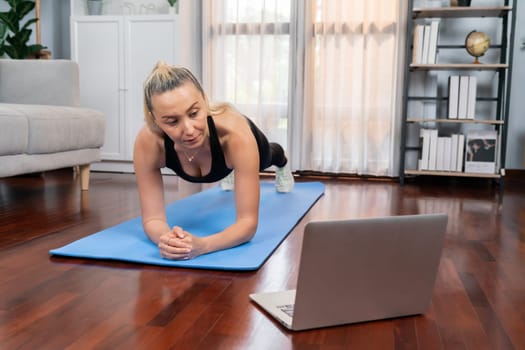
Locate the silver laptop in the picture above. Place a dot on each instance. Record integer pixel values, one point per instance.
(361, 270)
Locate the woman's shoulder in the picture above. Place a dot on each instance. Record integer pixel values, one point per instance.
(150, 144)
(147, 137)
(229, 121)
(234, 133)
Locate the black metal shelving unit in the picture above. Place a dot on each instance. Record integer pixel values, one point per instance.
(506, 13)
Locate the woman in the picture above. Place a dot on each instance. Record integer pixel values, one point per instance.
(201, 143)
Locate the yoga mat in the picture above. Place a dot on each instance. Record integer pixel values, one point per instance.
(202, 214)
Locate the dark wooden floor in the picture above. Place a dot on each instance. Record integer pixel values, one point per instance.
(59, 303)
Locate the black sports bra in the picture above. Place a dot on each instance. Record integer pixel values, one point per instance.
(218, 170)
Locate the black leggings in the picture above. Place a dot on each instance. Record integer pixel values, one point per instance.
(270, 153)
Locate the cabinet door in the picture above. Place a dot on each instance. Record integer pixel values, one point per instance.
(96, 45)
(147, 41)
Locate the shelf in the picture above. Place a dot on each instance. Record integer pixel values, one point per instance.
(445, 98)
(451, 173)
(122, 8)
(462, 47)
(492, 83)
(457, 66)
(457, 121)
(460, 12)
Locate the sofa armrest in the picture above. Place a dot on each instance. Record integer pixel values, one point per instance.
(45, 82)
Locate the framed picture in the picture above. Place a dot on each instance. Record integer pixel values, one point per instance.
(480, 152)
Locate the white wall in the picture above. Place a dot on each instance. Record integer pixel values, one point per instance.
(54, 26)
(515, 158)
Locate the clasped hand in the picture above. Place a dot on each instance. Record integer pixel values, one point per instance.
(178, 244)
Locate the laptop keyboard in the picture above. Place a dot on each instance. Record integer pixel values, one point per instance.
(287, 309)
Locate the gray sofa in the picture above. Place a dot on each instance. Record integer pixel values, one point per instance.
(42, 126)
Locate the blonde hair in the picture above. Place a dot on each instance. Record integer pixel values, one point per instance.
(165, 78)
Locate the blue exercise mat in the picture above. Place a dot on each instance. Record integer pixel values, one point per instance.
(202, 214)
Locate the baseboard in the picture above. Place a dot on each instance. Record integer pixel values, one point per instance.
(513, 177)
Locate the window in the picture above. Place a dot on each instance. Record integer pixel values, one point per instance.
(317, 76)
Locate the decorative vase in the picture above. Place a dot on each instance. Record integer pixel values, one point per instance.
(460, 3)
(94, 7)
(174, 10)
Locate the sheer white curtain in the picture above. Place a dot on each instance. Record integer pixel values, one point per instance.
(321, 77)
(246, 50)
(351, 86)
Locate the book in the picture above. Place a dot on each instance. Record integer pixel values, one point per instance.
(440, 153)
(417, 44)
(463, 96)
(424, 135)
(480, 152)
(454, 139)
(471, 97)
(433, 39)
(447, 153)
(460, 150)
(426, 43)
(453, 96)
(432, 151)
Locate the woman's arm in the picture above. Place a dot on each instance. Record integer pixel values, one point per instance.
(241, 150)
(241, 153)
(147, 161)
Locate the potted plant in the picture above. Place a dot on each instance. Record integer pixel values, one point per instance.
(94, 7)
(174, 8)
(17, 34)
(460, 3)
(3, 34)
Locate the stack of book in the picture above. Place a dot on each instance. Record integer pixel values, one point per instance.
(424, 45)
(462, 91)
(474, 152)
(441, 153)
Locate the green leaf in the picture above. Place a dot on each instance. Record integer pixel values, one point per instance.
(11, 20)
(3, 32)
(19, 32)
(28, 23)
(24, 35)
(35, 48)
(10, 39)
(11, 51)
(24, 7)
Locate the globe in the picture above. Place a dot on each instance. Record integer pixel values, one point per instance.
(477, 43)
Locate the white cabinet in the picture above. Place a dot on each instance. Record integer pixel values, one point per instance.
(98, 47)
(146, 42)
(115, 54)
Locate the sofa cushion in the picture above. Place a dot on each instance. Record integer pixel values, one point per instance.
(59, 128)
(15, 131)
(47, 82)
